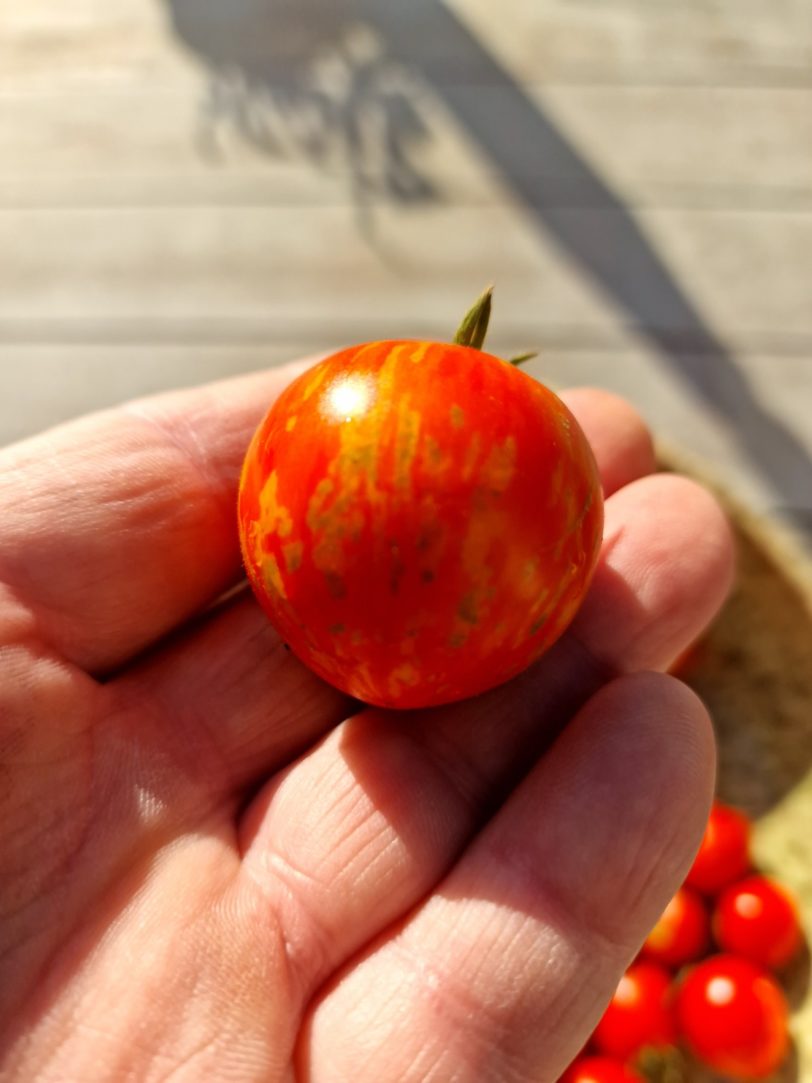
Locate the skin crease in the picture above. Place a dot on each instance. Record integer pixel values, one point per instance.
(215, 866)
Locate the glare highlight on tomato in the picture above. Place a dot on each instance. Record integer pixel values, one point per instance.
(420, 521)
(758, 919)
(733, 1017)
(724, 855)
(639, 1015)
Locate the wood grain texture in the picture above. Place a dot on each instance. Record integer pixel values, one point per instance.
(308, 265)
(699, 42)
(155, 144)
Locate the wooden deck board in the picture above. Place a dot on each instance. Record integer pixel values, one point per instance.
(151, 144)
(747, 271)
(655, 42)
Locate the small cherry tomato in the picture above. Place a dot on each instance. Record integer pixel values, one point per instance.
(733, 1016)
(600, 1070)
(639, 1015)
(682, 934)
(420, 521)
(724, 855)
(758, 919)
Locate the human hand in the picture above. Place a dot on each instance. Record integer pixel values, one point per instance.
(214, 867)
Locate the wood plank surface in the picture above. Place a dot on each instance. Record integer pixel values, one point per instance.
(700, 42)
(307, 266)
(658, 42)
(156, 144)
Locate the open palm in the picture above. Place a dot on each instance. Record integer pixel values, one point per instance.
(214, 867)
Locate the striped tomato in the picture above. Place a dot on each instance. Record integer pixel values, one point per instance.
(419, 520)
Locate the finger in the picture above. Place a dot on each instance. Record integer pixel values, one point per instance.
(618, 435)
(504, 971)
(119, 526)
(359, 830)
(646, 568)
(231, 679)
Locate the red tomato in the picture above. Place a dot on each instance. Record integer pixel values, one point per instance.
(420, 521)
(600, 1070)
(733, 1017)
(683, 932)
(724, 855)
(757, 919)
(639, 1015)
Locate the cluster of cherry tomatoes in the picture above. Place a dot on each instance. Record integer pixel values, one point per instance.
(704, 980)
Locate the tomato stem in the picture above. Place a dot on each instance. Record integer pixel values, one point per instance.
(474, 326)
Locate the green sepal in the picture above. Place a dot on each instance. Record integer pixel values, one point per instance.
(474, 326)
